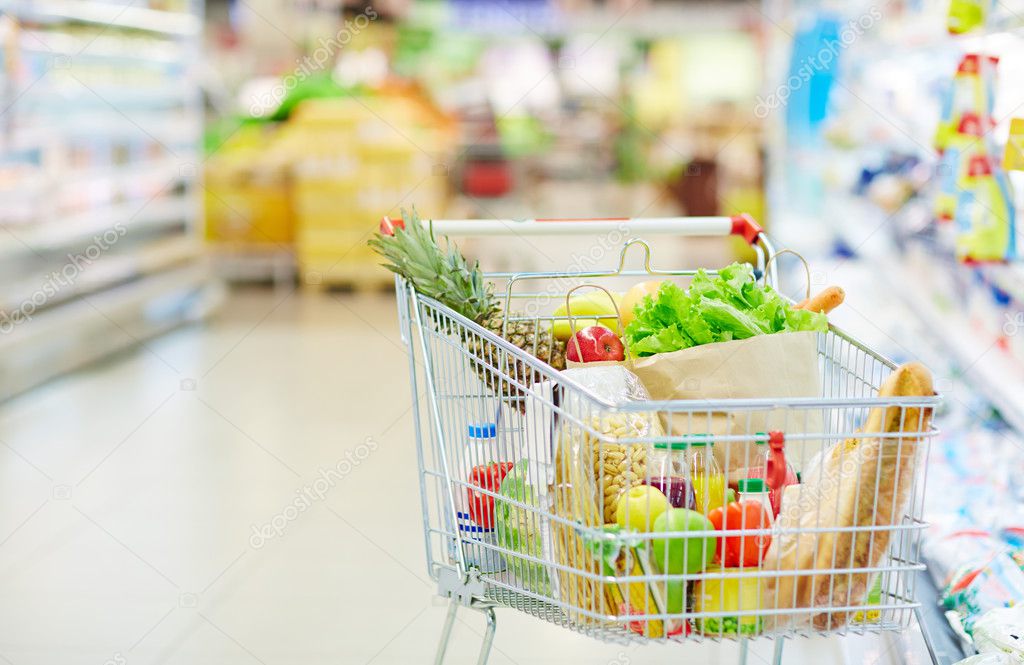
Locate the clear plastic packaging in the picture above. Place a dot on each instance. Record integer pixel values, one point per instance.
(1001, 631)
(862, 481)
(592, 470)
(988, 659)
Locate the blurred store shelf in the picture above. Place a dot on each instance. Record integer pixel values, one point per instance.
(106, 322)
(664, 20)
(99, 171)
(160, 254)
(978, 353)
(169, 128)
(247, 263)
(104, 14)
(71, 231)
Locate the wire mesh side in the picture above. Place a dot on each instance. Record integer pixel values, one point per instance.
(529, 506)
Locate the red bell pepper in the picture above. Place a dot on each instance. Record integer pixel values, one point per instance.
(741, 550)
(488, 477)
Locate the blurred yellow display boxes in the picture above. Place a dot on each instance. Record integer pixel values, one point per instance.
(323, 179)
(360, 159)
(247, 195)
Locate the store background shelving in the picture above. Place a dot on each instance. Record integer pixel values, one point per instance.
(553, 109)
(100, 169)
(884, 246)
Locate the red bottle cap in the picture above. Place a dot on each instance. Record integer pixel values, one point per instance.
(980, 165)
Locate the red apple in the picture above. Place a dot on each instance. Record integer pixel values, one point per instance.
(594, 343)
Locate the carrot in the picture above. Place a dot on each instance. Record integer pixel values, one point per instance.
(825, 302)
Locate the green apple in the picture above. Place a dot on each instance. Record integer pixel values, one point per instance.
(675, 596)
(682, 554)
(591, 304)
(640, 507)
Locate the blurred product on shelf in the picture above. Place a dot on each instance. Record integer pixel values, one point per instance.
(974, 547)
(976, 193)
(970, 96)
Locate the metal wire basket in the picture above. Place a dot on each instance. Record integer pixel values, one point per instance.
(522, 468)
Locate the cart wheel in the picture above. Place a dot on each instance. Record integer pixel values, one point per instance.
(449, 622)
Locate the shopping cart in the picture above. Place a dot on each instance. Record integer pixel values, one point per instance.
(484, 406)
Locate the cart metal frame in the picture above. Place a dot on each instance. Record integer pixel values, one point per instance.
(468, 374)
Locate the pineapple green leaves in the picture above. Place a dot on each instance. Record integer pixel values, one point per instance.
(411, 251)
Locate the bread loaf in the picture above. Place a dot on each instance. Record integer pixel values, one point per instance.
(863, 482)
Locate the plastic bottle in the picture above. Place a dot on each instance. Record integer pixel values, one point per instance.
(483, 441)
(473, 539)
(708, 479)
(485, 472)
(754, 489)
(670, 472)
(773, 468)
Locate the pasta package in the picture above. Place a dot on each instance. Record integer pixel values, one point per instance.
(592, 469)
(622, 555)
(863, 482)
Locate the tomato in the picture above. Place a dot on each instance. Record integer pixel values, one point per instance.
(680, 629)
(488, 477)
(741, 550)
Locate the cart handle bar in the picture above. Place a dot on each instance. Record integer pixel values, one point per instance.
(738, 225)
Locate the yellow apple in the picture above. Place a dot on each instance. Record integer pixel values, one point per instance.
(635, 296)
(591, 305)
(640, 507)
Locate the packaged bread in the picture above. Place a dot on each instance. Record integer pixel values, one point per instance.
(862, 482)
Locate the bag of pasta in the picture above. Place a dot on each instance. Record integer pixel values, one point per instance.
(598, 457)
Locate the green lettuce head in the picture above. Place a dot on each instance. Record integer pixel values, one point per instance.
(731, 305)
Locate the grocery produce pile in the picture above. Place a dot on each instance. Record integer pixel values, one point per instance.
(641, 494)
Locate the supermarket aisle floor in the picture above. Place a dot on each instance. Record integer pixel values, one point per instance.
(150, 508)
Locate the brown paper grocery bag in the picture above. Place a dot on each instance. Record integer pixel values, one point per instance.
(780, 365)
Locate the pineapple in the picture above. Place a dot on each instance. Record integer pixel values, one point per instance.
(445, 276)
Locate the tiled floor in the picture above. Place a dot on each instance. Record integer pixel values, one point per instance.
(134, 497)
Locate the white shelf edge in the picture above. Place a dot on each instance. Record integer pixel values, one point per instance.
(32, 355)
(86, 11)
(147, 259)
(75, 229)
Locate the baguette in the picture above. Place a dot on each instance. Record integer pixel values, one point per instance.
(874, 495)
(824, 302)
(863, 482)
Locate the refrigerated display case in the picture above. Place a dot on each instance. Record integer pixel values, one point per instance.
(100, 172)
